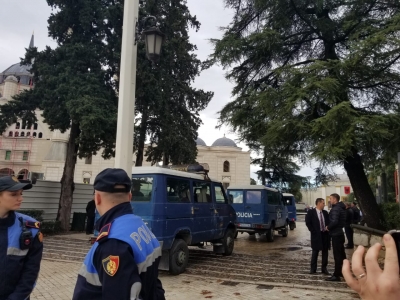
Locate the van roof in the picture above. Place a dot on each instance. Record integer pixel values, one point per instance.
(251, 187)
(159, 170)
(287, 194)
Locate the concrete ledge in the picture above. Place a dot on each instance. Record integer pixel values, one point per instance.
(368, 237)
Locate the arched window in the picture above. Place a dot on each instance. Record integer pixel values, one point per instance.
(35, 126)
(23, 124)
(18, 125)
(40, 135)
(22, 133)
(16, 134)
(10, 133)
(34, 134)
(28, 134)
(226, 166)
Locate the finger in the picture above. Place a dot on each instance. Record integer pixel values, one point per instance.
(348, 276)
(391, 258)
(371, 261)
(357, 261)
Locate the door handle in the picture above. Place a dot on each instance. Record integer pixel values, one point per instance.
(248, 207)
(196, 208)
(211, 208)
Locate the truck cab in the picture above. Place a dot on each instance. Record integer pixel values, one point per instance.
(259, 209)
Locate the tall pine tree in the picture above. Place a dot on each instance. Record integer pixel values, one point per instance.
(321, 75)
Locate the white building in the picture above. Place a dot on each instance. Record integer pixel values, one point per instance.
(341, 186)
(39, 152)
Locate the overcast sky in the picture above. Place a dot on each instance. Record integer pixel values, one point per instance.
(20, 18)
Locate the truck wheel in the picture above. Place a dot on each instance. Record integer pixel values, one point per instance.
(285, 231)
(271, 233)
(178, 257)
(228, 242)
(292, 226)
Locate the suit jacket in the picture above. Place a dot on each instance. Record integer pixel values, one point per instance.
(318, 241)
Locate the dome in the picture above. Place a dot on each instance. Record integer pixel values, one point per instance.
(224, 142)
(200, 142)
(17, 70)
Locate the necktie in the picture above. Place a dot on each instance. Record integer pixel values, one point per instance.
(321, 220)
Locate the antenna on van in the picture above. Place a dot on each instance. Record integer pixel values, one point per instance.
(201, 168)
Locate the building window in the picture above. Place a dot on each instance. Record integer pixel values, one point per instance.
(226, 166)
(16, 134)
(18, 125)
(8, 155)
(86, 180)
(34, 134)
(23, 124)
(225, 185)
(28, 134)
(40, 135)
(88, 160)
(25, 155)
(35, 126)
(22, 133)
(10, 133)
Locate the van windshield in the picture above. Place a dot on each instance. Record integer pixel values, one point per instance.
(142, 188)
(288, 200)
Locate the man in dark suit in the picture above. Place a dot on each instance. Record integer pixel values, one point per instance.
(337, 220)
(316, 220)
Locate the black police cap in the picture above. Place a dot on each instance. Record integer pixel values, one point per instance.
(12, 184)
(107, 179)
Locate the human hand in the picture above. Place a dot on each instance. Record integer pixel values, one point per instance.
(326, 228)
(373, 283)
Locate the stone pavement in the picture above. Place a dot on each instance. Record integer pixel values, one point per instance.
(57, 280)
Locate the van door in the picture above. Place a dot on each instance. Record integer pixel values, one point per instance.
(254, 207)
(203, 212)
(274, 208)
(222, 209)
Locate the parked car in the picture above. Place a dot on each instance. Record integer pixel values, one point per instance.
(302, 207)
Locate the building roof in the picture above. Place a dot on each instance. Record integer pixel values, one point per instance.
(17, 70)
(200, 142)
(224, 142)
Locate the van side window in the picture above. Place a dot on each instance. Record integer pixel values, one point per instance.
(142, 188)
(178, 190)
(219, 194)
(236, 196)
(202, 192)
(253, 197)
(273, 198)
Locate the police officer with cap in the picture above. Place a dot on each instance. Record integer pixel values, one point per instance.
(123, 262)
(20, 243)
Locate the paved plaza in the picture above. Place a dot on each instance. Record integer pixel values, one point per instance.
(57, 280)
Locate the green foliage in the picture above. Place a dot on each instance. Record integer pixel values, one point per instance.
(51, 227)
(253, 182)
(316, 79)
(390, 215)
(34, 213)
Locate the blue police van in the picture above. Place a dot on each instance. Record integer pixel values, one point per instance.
(259, 209)
(183, 209)
(290, 203)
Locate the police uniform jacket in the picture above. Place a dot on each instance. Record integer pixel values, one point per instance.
(319, 240)
(123, 262)
(18, 268)
(337, 219)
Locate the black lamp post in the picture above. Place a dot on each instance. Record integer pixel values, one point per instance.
(153, 38)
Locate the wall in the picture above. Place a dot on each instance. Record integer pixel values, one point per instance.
(45, 196)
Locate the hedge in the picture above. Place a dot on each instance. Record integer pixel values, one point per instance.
(390, 213)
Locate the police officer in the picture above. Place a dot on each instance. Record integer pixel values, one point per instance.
(20, 243)
(123, 262)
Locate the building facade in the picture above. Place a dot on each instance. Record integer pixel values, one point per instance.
(37, 152)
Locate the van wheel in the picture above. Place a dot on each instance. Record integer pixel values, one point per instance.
(178, 257)
(271, 233)
(228, 242)
(285, 231)
(292, 226)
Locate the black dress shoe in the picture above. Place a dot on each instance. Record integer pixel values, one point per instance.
(325, 272)
(313, 272)
(348, 247)
(333, 278)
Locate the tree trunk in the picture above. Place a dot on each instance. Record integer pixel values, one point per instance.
(165, 159)
(67, 180)
(362, 190)
(263, 169)
(142, 140)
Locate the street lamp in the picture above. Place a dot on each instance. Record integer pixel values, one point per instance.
(127, 79)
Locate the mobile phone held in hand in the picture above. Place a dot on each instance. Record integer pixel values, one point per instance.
(396, 236)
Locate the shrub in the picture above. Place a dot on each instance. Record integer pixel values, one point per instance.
(34, 213)
(390, 215)
(51, 227)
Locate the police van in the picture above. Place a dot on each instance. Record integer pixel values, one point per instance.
(259, 209)
(183, 208)
(290, 203)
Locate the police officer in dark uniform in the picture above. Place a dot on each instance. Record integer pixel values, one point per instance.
(123, 262)
(20, 243)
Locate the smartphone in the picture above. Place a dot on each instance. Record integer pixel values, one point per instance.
(396, 236)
